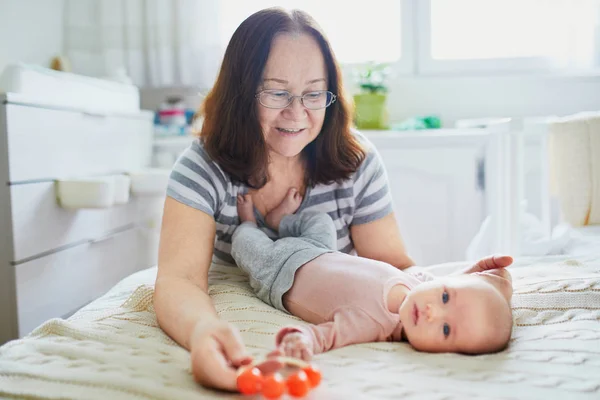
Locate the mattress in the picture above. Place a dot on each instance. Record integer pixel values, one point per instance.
(113, 347)
(32, 84)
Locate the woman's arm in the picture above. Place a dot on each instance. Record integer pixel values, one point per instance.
(185, 251)
(381, 240)
(374, 236)
(183, 308)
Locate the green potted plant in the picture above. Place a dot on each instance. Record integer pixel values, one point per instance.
(370, 103)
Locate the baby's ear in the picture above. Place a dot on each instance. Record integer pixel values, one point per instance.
(500, 279)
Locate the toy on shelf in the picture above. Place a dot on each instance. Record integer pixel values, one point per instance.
(173, 118)
(276, 376)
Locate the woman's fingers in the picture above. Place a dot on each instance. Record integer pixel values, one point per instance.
(490, 262)
(217, 351)
(500, 261)
(270, 366)
(275, 353)
(231, 343)
(211, 368)
(493, 262)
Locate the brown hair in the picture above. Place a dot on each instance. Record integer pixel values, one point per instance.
(231, 131)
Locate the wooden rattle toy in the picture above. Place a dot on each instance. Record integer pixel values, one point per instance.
(266, 377)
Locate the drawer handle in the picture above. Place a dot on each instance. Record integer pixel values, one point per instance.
(94, 192)
(113, 233)
(150, 182)
(92, 114)
(102, 238)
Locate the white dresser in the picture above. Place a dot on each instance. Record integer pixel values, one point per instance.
(437, 180)
(54, 260)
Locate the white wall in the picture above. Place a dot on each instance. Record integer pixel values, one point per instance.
(458, 97)
(30, 31)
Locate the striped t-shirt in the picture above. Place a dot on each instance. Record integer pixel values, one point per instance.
(199, 182)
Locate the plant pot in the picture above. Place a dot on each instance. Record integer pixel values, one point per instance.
(370, 111)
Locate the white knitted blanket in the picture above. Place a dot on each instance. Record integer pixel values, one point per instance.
(113, 348)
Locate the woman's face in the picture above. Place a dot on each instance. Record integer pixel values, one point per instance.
(296, 65)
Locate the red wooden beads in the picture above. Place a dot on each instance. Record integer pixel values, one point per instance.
(251, 380)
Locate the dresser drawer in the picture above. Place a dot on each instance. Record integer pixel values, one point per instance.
(60, 283)
(51, 144)
(41, 225)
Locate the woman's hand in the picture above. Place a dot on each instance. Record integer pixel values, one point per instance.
(488, 263)
(217, 351)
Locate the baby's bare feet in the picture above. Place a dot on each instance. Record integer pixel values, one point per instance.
(296, 345)
(245, 208)
(289, 205)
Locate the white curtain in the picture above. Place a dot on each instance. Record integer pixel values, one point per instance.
(156, 42)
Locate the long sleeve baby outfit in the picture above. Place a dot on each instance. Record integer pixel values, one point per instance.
(344, 296)
(272, 264)
(345, 300)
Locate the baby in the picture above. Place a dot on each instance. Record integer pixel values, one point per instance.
(349, 299)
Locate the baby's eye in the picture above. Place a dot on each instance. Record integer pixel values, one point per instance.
(445, 297)
(446, 330)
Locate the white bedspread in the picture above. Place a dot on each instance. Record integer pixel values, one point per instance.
(114, 349)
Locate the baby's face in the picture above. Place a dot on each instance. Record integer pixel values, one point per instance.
(459, 314)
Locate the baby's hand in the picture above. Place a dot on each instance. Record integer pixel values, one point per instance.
(297, 345)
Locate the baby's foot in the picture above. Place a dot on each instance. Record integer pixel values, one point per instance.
(289, 205)
(245, 208)
(296, 345)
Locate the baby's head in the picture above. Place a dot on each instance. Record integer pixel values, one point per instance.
(460, 314)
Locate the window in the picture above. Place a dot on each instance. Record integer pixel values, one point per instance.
(449, 36)
(358, 32)
(477, 35)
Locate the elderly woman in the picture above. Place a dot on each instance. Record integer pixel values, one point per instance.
(276, 119)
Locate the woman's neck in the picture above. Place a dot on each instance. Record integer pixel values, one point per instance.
(279, 164)
(286, 169)
(284, 173)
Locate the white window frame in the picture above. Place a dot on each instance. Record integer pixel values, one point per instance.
(426, 65)
(405, 66)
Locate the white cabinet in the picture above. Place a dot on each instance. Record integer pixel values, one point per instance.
(437, 186)
(54, 260)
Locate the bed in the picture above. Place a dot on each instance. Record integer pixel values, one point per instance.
(113, 347)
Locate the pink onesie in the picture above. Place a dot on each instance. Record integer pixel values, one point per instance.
(344, 297)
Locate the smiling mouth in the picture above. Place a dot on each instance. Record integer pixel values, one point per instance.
(290, 131)
(415, 314)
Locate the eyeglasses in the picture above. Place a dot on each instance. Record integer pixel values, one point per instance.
(282, 98)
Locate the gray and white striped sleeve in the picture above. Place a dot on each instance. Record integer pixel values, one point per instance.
(197, 181)
(372, 195)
